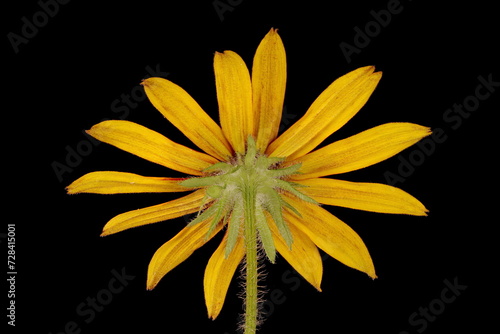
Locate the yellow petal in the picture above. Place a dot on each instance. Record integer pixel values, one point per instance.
(124, 183)
(304, 256)
(176, 208)
(152, 146)
(178, 249)
(218, 275)
(187, 115)
(329, 112)
(361, 150)
(331, 235)
(234, 93)
(373, 197)
(268, 84)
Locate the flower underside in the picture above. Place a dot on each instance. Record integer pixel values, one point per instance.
(249, 179)
(267, 194)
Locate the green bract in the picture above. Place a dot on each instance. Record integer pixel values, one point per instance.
(251, 180)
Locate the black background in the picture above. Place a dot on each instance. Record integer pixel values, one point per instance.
(66, 78)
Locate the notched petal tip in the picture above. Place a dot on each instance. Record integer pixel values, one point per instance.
(419, 130)
(272, 36)
(370, 71)
(424, 212)
(224, 54)
(70, 189)
(364, 70)
(376, 75)
(369, 68)
(420, 210)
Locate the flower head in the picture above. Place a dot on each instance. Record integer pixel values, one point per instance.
(263, 190)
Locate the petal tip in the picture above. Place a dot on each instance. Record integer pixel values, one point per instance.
(371, 273)
(224, 53)
(367, 69)
(151, 81)
(423, 131)
(93, 131)
(419, 211)
(317, 286)
(274, 36)
(151, 283)
(377, 75)
(212, 315)
(370, 71)
(70, 190)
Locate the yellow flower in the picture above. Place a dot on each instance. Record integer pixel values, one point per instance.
(264, 190)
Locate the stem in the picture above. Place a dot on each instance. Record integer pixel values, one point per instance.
(250, 325)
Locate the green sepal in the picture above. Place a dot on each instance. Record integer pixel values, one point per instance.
(198, 182)
(272, 204)
(219, 166)
(265, 234)
(264, 162)
(215, 191)
(290, 170)
(234, 226)
(203, 216)
(220, 212)
(288, 187)
(291, 208)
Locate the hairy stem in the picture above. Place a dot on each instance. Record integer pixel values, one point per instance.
(251, 301)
